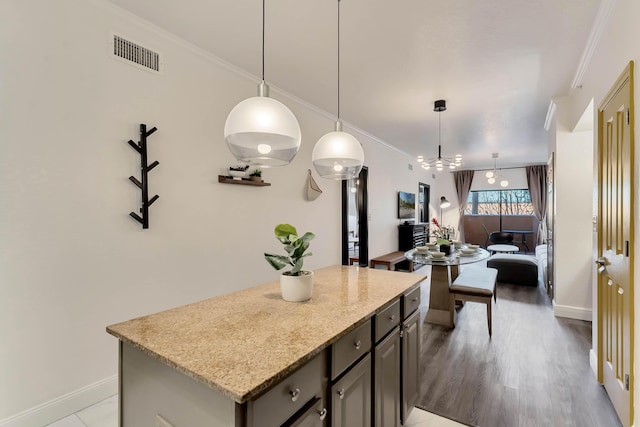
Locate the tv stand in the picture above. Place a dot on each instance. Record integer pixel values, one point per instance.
(411, 235)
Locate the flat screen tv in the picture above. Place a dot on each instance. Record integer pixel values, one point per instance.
(406, 205)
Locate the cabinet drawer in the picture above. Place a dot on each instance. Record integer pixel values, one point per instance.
(411, 302)
(350, 348)
(387, 319)
(289, 395)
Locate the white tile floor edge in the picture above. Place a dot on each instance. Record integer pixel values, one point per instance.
(105, 414)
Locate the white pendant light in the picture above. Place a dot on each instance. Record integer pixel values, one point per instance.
(337, 154)
(261, 131)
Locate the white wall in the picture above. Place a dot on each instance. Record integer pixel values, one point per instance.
(573, 219)
(71, 259)
(617, 46)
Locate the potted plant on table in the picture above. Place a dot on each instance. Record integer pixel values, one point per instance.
(295, 284)
(443, 236)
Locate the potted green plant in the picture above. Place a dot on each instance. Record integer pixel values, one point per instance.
(295, 284)
(256, 175)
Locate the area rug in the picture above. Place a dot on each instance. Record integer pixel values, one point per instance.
(446, 416)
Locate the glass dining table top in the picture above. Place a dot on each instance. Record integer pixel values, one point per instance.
(456, 257)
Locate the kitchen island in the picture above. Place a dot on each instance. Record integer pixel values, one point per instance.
(227, 361)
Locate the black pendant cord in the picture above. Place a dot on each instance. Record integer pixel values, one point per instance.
(263, 24)
(338, 60)
(143, 184)
(439, 133)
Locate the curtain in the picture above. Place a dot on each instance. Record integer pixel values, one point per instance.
(537, 182)
(463, 181)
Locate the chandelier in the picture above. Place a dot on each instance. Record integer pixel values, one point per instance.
(440, 162)
(492, 175)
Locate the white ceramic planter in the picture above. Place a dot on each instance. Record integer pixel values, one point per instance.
(296, 288)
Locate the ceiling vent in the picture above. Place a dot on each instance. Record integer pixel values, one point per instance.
(135, 54)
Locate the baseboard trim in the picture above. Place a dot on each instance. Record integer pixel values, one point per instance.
(64, 405)
(593, 362)
(570, 312)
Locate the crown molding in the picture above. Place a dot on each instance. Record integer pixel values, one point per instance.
(599, 24)
(158, 31)
(551, 112)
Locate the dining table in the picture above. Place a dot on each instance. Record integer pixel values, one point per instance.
(444, 271)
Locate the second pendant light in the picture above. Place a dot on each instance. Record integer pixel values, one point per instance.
(337, 154)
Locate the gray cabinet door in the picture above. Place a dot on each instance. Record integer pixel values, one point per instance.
(351, 397)
(410, 364)
(387, 381)
(314, 416)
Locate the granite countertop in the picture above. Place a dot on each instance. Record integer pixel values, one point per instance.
(242, 343)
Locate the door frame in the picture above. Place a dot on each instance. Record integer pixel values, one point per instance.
(363, 223)
(424, 191)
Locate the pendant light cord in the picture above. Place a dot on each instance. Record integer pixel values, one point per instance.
(439, 132)
(263, 23)
(338, 60)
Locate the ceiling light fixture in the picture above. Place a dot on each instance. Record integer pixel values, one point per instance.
(337, 154)
(261, 131)
(440, 162)
(493, 175)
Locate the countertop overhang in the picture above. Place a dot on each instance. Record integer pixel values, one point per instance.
(241, 343)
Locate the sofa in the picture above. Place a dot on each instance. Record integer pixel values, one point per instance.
(541, 256)
(521, 269)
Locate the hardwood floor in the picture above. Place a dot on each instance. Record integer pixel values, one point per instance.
(533, 372)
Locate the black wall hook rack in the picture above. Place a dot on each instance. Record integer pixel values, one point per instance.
(141, 148)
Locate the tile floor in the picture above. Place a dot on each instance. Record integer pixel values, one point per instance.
(105, 414)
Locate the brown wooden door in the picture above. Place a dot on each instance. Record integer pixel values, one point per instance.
(615, 244)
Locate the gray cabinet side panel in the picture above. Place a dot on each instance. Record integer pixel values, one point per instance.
(149, 387)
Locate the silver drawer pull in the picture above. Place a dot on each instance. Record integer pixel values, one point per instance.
(357, 344)
(341, 393)
(609, 282)
(323, 414)
(620, 291)
(392, 317)
(294, 394)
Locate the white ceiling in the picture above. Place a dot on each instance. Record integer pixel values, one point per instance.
(497, 63)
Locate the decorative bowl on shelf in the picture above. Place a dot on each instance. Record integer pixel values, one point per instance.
(237, 174)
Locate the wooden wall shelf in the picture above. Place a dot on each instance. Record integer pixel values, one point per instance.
(244, 181)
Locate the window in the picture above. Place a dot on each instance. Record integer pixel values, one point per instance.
(499, 202)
